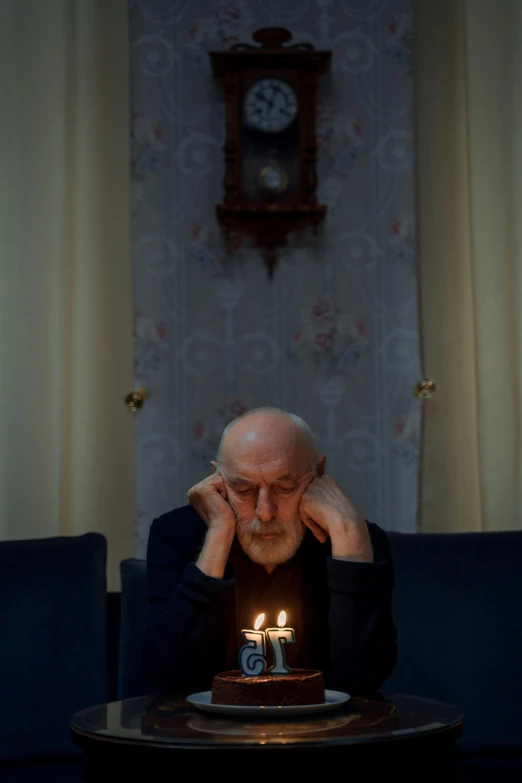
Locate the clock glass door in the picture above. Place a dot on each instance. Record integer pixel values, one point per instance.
(270, 141)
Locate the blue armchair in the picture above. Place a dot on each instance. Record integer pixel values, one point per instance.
(53, 657)
(457, 610)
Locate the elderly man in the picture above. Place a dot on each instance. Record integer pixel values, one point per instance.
(268, 530)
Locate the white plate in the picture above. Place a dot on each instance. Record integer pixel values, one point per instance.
(202, 701)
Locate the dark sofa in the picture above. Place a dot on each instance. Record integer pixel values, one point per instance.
(69, 644)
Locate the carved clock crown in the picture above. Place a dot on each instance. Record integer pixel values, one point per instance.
(270, 148)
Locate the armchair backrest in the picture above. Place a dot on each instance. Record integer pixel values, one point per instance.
(53, 654)
(132, 680)
(457, 607)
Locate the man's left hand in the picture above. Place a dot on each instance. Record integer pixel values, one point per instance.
(324, 506)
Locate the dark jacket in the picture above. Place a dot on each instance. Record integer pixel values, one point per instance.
(340, 610)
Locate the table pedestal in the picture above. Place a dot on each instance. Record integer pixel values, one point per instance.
(409, 761)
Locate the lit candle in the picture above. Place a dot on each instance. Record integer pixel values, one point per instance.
(278, 637)
(252, 655)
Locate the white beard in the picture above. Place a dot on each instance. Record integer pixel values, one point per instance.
(272, 551)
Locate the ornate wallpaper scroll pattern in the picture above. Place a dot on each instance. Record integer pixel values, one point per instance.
(335, 336)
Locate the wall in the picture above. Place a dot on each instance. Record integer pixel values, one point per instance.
(334, 337)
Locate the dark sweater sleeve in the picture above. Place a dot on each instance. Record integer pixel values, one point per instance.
(363, 645)
(188, 616)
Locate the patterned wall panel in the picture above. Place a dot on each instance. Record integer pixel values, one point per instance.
(334, 337)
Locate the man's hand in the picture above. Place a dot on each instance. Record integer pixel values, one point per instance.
(326, 510)
(323, 503)
(209, 498)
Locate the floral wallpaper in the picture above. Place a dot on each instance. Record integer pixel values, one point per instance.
(334, 336)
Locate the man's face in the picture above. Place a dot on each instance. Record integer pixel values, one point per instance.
(264, 487)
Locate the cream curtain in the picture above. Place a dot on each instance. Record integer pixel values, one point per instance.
(65, 291)
(469, 168)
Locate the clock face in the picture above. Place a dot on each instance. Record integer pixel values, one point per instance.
(270, 105)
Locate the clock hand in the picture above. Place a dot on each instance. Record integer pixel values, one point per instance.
(261, 98)
(281, 109)
(275, 90)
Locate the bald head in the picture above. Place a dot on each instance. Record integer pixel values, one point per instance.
(264, 430)
(267, 457)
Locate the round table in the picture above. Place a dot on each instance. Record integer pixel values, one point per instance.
(128, 740)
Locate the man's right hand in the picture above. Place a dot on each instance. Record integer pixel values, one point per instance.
(209, 499)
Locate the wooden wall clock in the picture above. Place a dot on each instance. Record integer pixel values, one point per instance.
(271, 147)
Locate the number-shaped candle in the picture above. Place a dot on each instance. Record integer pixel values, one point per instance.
(252, 654)
(278, 637)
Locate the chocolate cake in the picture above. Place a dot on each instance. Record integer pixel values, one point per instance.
(301, 686)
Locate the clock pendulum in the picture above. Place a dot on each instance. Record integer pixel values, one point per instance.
(273, 178)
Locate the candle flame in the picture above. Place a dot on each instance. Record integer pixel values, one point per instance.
(259, 621)
(281, 620)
